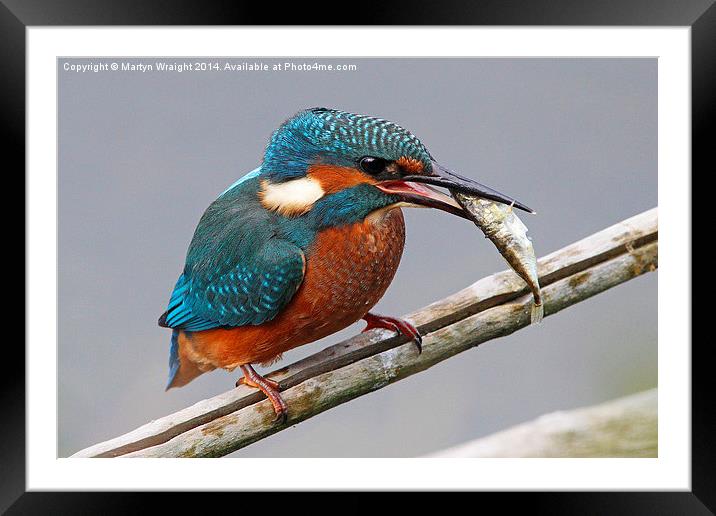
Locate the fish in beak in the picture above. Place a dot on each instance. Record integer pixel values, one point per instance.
(414, 189)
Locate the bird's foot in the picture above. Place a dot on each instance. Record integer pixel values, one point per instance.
(269, 387)
(400, 326)
(271, 383)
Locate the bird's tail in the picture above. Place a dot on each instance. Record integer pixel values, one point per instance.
(182, 369)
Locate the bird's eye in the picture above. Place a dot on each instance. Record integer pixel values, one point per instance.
(372, 165)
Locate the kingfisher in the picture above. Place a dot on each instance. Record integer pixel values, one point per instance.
(303, 246)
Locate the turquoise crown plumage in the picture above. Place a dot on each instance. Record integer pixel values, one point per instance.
(339, 138)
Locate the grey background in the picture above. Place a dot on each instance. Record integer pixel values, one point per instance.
(141, 155)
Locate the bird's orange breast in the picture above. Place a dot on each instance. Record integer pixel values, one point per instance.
(348, 269)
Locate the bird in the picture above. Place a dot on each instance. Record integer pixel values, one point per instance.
(304, 245)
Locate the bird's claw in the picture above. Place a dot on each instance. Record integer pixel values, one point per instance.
(281, 417)
(270, 388)
(400, 326)
(271, 383)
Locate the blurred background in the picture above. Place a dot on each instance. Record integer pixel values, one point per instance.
(142, 154)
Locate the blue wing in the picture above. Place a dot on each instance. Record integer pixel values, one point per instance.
(251, 291)
(239, 270)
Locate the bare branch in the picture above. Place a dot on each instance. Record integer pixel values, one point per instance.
(625, 427)
(492, 307)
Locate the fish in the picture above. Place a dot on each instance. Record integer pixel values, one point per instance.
(508, 233)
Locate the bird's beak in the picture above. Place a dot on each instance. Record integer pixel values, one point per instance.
(409, 189)
(413, 193)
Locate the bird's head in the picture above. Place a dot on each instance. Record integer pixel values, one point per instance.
(345, 166)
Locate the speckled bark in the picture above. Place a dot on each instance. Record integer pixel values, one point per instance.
(626, 427)
(493, 307)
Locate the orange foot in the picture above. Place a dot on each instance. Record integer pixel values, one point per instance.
(269, 387)
(400, 326)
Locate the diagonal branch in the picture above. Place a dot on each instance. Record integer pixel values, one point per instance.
(493, 307)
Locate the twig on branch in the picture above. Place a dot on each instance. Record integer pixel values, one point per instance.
(492, 307)
(626, 427)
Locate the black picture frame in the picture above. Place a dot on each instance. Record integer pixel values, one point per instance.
(700, 15)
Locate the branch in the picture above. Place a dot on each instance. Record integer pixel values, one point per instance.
(492, 307)
(626, 427)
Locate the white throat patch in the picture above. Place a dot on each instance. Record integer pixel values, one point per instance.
(290, 198)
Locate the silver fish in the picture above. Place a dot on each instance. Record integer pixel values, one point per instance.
(500, 224)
